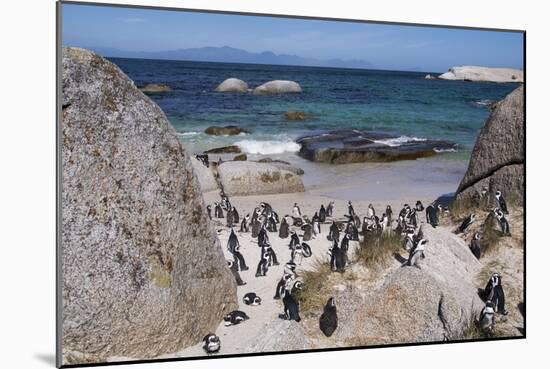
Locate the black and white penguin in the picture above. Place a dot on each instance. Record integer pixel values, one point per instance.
(432, 215)
(501, 202)
(389, 214)
(209, 211)
(502, 221)
(235, 216)
(413, 221)
(244, 223)
(322, 214)
(419, 206)
(334, 232)
(296, 213)
(308, 231)
(235, 271)
(495, 293)
(328, 322)
(475, 245)
(271, 223)
(218, 211)
(408, 242)
(263, 238)
(417, 253)
(487, 317)
(229, 216)
(352, 231)
(344, 246)
(466, 223)
(306, 250)
(233, 247)
(256, 226)
(370, 211)
(351, 211)
(294, 240)
(263, 265)
(330, 209)
(405, 211)
(290, 269)
(252, 299)
(272, 256)
(291, 306)
(281, 285)
(337, 258)
(235, 317)
(283, 228)
(211, 343)
(203, 158)
(316, 222)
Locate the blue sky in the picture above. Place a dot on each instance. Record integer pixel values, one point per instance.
(385, 46)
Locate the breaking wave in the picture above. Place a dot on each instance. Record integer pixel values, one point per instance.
(398, 141)
(267, 147)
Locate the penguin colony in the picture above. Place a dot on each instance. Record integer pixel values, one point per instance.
(263, 222)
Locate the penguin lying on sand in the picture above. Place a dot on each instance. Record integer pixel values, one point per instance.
(211, 343)
(235, 317)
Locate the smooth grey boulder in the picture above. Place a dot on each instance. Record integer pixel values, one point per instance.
(280, 335)
(241, 178)
(232, 85)
(278, 87)
(435, 302)
(498, 158)
(483, 74)
(143, 273)
(204, 175)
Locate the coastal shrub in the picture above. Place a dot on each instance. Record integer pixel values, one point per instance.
(490, 236)
(472, 331)
(377, 250)
(316, 287)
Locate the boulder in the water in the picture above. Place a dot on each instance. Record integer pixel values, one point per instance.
(153, 88)
(297, 115)
(232, 85)
(278, 87)
(224, 131)
(232, 149)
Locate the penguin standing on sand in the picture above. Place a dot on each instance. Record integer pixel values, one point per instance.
(389, 214)
(475, 245)
(308, 231)
(330, 209)
(504, 226)
(495, 293)
(235, 271)
(263, 238)
(218, 211)
(271, 223)
(337, 258)
(244, 224)
(235, 216)
(296, 213)
(235, 317)
(283, 229)
(417, 253)
(469, 220)
(334, 232)
(294, 240)
(291, 306)
(322, 214)
(351, 211)
(255, 231)
(370, 211)
(229, 216)
(263, 265)
(328, 322)
(211, 343)
(316, 222)
(344, 246)
(233, 247)
(501, 202)
(432, 215)
(281, 285)
(419, 206)
(209, 211)
(487, 317)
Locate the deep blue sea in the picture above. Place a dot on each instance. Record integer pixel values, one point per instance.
(404, 103)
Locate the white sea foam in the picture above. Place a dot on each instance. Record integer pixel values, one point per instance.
(185, 134)
(267, 147)
(398, 141)
(443, 150)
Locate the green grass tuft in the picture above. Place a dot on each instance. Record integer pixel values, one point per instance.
(378, 250)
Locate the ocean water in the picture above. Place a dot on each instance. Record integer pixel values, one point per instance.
(403, 103)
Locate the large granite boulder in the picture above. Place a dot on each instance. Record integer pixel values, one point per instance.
(143, 273)
(241, 178)
(232, 85)
(498, 158)
(278, 87)
(483, 74)
(280, 335)
(353, 146)
(435, 302)
(204, 175)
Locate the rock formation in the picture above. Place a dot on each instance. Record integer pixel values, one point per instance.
(241, 178)
(232, 85)
(224, 131)
(483, 74)
(498, 158)
(143, 273)
(280, 335)
(352, 146)
(153, 88)
(278, 87)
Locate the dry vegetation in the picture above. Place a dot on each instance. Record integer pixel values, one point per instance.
(316, 287)
(376, 251)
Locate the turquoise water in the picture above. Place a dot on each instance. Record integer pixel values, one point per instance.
(403, 103)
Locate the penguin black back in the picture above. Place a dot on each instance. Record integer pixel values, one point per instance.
(328, 322)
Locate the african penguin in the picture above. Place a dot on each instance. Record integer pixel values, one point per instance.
(229, 217)
(466, 223)
(475, 245)
(432, 215)
(416, 253)
(291, 306)
(218, 211)
(308, 231)
(330, 209)
(235, 216)
(504, 225)
(252, 299)
(495, 293)
(334, 232)
(235, 317)
(209, 211)
(370, 211)
(337, 258)
(328, 322)
(296, 213)
(281, 285)
(419, 206)
(501, 202)
(487, 317)
(322, 214)
(294, 240)
(244, 223)
(235, 271)
(283, 229)
(263, 265)
(316, 222)
(211, 343)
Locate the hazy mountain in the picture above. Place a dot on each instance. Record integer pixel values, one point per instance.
(232, 55)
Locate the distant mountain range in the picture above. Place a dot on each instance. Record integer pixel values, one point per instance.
(228, 54)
